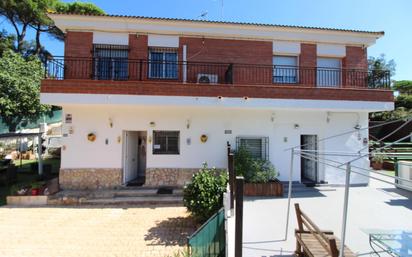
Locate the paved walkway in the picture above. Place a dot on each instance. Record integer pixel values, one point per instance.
(378, 206)
(77, 232)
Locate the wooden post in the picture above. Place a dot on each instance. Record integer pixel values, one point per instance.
(239, 217)
(232, 177)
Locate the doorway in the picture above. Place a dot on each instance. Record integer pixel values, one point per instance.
(135, 147)
(309, 168)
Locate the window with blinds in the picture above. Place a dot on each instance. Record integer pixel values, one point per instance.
(163, 63)
(258, 147)
(110, 62)
(166, 142)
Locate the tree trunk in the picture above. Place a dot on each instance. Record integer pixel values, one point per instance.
(38, 44)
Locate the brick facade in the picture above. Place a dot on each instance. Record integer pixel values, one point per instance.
(78, 45)
(308, 58)
(248, 80)
(188, 89)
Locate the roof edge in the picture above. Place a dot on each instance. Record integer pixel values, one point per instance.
(377, 33)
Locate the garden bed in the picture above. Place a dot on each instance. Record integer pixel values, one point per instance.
(271, 188)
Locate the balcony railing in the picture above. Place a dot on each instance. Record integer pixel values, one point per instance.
(212, 73)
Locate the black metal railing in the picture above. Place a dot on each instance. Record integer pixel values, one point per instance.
(61, 68)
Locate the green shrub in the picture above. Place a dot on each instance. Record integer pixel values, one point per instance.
(203, 196)
(253, 170)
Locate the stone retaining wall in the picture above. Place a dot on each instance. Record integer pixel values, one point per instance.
(90, 178)
(177, 177)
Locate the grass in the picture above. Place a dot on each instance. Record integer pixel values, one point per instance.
(26, 176)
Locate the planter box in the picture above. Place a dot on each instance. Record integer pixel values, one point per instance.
(273, 188)
(26, 200)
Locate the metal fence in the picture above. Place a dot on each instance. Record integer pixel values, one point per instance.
(209, 240)
(120, 68)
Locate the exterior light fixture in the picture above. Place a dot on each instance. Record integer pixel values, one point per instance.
(246, 98)
(220, 97)
(188, 123)
(296, 126)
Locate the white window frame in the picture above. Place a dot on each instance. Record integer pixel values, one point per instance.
(339, 84)
(264, 144)
(163, 64)
(297, 68)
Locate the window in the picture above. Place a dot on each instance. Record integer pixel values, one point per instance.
(166, 142)
(163, 63)
(285, 69)
(258, 147)
(328, 73)
(110, 62)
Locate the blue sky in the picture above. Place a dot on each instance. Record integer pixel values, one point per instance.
(391, 16)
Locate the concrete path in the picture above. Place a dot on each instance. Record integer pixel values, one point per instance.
(93, 231)
(379, 206)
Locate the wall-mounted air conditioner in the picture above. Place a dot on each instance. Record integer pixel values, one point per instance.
(207, 78)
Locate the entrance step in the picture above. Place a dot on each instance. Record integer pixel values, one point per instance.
(120, 196)
(135, 200)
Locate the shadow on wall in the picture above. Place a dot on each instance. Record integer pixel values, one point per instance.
(172, 231)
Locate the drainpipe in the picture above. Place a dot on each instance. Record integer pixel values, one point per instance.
(184, 63)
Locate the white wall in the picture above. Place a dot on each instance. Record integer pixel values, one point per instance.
(80, 153)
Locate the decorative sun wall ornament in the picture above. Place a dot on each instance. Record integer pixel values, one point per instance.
(91, 137)
(203, 138)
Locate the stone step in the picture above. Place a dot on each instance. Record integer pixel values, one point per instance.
(137, 200)
(145, 192)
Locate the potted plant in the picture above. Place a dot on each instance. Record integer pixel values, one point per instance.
(377, 160)
(36, 188)
(260, 175)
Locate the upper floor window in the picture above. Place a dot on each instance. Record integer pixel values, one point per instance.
(163, 63)
(110, 62)
(258, 147)
(328, 73)
(285, 69)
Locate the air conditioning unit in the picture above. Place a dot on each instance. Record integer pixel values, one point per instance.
(207, 78)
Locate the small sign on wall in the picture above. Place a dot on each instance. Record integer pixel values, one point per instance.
(156, 146)
(68, 118)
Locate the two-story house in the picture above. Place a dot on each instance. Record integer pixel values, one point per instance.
(151, 99)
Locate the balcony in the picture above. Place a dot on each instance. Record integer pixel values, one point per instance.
(145, 77)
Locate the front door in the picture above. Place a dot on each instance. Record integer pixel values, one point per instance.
(309, 167)
(131, 141)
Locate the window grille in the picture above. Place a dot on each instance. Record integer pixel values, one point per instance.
(166, 142)
(110, 62)
(258, 147)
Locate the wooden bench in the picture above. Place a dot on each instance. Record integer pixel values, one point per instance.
(313, 242)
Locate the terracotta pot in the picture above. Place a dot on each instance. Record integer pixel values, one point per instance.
(377, 165)
(35, 191)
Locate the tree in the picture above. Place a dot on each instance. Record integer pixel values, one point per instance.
(78, 8)
(403, 86)
(20, 89)
(25, 14)
(381, 71)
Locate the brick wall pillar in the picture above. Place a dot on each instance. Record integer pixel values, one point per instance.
(78, 47)
(138, 54)
(355, 67)
(307, 63)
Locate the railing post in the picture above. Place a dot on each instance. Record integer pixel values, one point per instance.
(239, 217)
(140, 69)
(232, 176)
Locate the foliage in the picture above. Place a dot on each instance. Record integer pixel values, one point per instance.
(380, 67)
(78, 8)
(181, 253)
(203, 196)
(378, 157)
(32, 14)
(403, 86)
(253, 170)
(20, 89)
(404, 101)
(398, 113)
